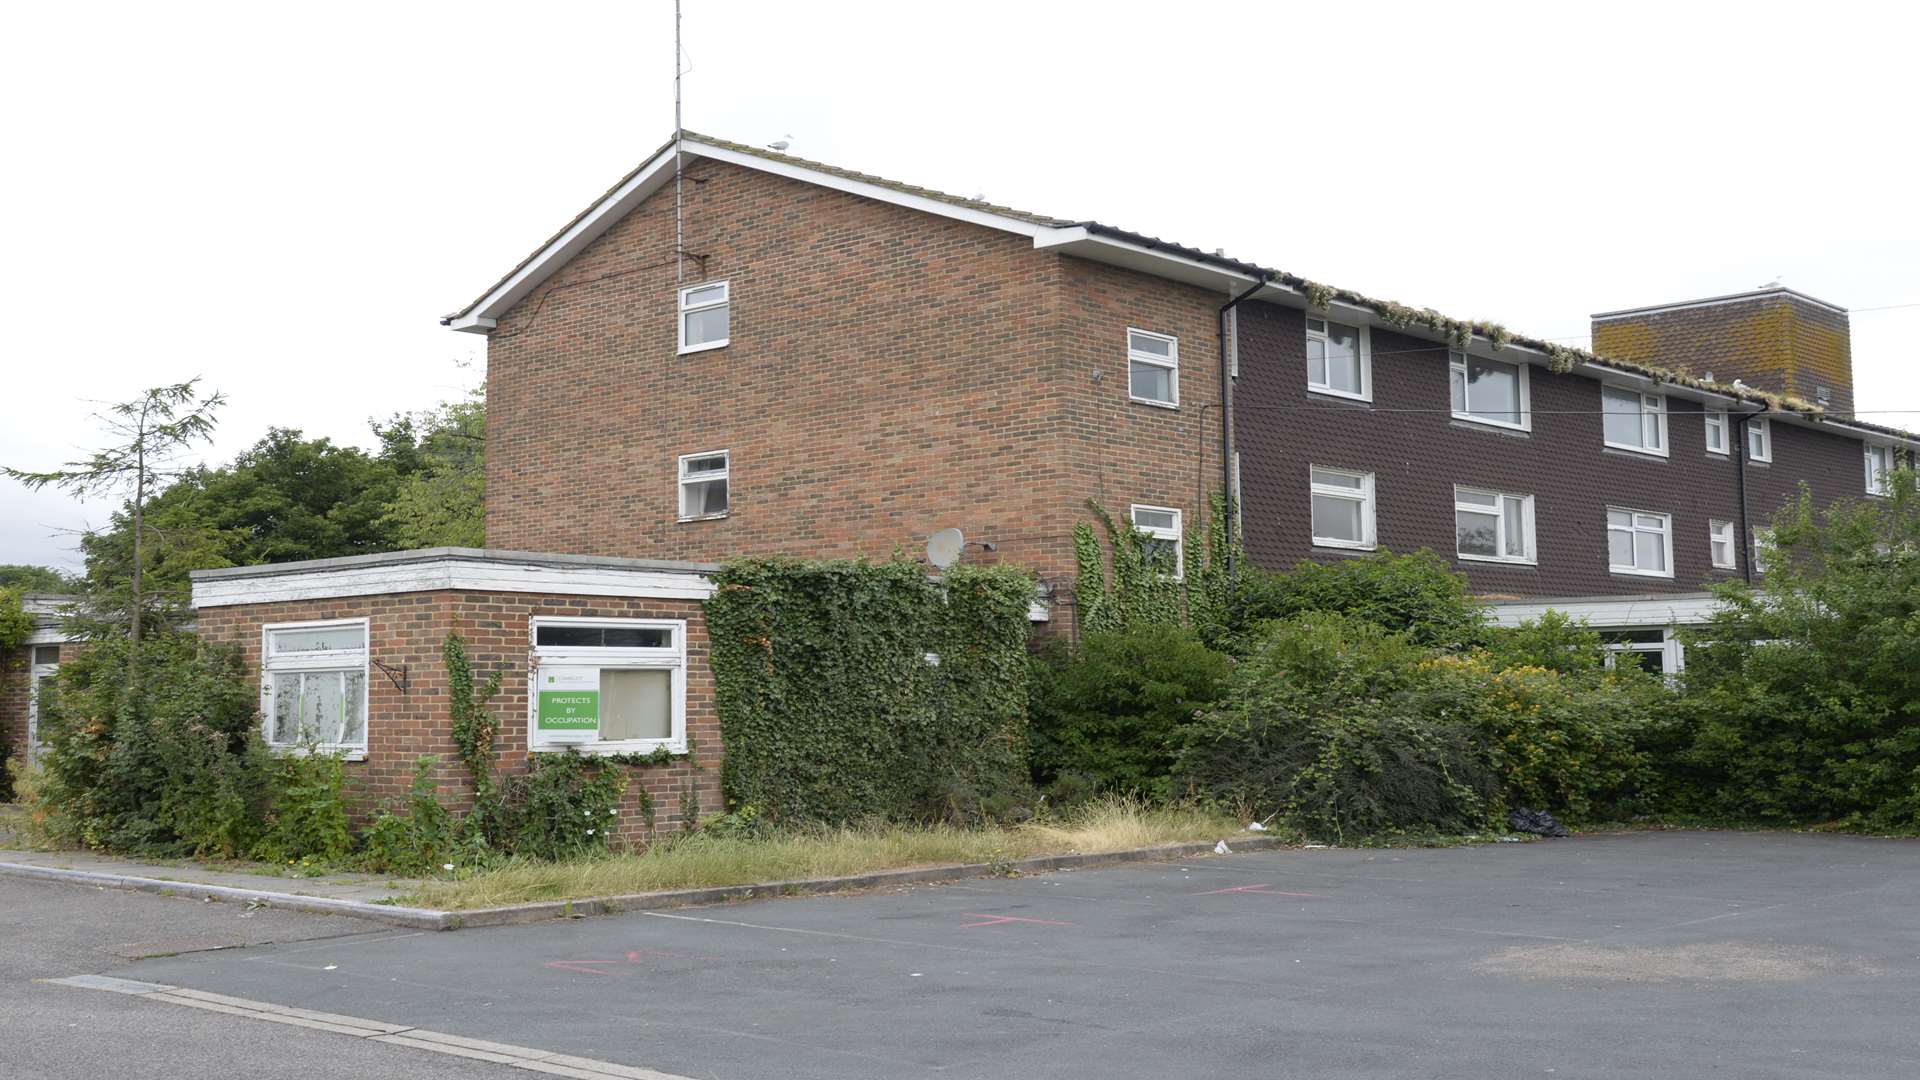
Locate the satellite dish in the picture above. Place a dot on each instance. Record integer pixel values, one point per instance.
(944, 547)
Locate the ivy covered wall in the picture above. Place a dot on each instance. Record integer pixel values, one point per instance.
(850, 690)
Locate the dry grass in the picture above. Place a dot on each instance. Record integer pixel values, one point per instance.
(705, 859)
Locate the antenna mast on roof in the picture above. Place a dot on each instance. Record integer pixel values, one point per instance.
(679, 236)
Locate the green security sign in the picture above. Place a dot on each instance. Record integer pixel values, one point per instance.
(569, 700)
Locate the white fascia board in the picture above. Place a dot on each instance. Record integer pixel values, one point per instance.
(49, 636)
(1681, 609)
(484, 315)
(1082, 243)
(449, 574)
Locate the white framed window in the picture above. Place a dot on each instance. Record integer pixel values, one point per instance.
(704, 489)
(1153, 368)
(1339, 359)
(1764, 549)
(610, 686)
(1716, 421)
(1489, 391)
(706, 318)
(43, 667)
(1342, 509)
(1632, 420)
(313, 685)
(1163, 548)
(1759, 440)
(1879, 468)
(1639, 542)
(1491, 526)
(1720, 544)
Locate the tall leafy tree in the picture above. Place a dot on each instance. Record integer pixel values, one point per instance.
(149, 432)
(440, 455)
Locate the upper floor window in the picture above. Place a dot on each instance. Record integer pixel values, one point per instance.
(608, 685)
(1161, 547)
(1493, 527)
(1489, 391)
(703, 485)
(1342, 508)
(1759, 440)
(1633, 420)
(313, 685)
(1716, 420)
(1720, 544)
(1153, 368)
(1337, 359)
(705, 319)
(1639, 542)
(1879, 468)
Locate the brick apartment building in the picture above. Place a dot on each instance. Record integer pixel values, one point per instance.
(794, 358)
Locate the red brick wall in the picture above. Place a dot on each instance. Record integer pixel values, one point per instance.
(409, 631)
(889, 373)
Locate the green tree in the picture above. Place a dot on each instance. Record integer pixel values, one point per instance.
(149, 432)
(34, 579)
(15, 624)
(440, 456)
(1804, 694)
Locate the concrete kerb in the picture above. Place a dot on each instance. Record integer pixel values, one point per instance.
(515, 914)
(391, 914)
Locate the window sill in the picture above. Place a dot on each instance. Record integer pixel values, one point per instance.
(1322, 391)
(1499, 426)
(1341, 545)
(705, 517)
(346, 753)
(1495, 560)
(704, 346)
(1636, 451)
(1622, 572)
(609, 749)
(1172, 406)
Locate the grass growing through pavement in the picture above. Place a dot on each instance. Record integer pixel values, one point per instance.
(706, 859)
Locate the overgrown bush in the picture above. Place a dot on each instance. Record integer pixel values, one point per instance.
(1111, 714)
(849, 690)
(1571, 743)
(1417, 595)
(177, 768)
(307, 817)
(1804, 699)
(1315, 727)
(425, 839)
(564, 806)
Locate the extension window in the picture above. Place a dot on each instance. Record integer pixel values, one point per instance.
(610, 686)
(313, 686)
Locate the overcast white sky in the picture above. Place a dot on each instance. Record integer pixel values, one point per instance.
(283, 199)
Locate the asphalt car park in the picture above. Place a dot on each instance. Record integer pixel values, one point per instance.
(1633, 954)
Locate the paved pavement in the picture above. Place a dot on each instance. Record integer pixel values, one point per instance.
(1669, 954)
(47, 1032)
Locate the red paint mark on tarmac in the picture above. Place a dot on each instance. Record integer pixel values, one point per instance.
(1264, 890)
(585, 967)
(1002, 920)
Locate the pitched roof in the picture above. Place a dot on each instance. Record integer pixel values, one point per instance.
(1462, 332)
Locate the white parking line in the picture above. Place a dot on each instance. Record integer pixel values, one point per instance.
(551, 1062)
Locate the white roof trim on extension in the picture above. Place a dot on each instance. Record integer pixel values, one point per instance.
(1612, 612)
(451, 569)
